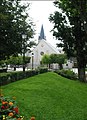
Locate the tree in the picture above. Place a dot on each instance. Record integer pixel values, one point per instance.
(61, 59)
(45, 59)
(70, 26)
(14, 61)
(53, 58)
(58, 58)
(13, 23)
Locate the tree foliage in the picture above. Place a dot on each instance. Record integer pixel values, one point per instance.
(45, 59)
(58, 58)
(13, 61)
(54, 58)
(70, 26)
(13, 24)
(18, 60)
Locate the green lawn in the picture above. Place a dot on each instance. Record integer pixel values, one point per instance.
(49, 96)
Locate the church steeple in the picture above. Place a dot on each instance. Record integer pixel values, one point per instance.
(42, 35)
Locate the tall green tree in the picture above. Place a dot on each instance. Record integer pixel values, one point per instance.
(13, 24)
(27, 33)
(70, 26)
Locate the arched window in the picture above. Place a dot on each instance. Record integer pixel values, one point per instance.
(42, 53)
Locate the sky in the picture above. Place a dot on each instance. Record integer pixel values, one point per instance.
(40, 12)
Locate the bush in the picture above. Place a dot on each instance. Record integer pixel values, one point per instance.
(67, 73)
(5, 79)
(14, 76)
(43, 70)
(3, 70)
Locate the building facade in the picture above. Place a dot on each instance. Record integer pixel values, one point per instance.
(43, 47)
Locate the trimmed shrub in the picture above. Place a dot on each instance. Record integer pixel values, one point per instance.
(3, 70)
(67, 73)
(14, 76)
(5, 79)
(43, 70)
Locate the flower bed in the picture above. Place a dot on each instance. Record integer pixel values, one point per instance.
(9, 109)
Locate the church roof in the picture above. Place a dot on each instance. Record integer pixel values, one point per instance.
(42, 35)
(53, 48)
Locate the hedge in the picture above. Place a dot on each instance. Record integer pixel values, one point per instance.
(67, 73)
(14, 76)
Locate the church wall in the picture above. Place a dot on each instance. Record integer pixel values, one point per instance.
(42, 48)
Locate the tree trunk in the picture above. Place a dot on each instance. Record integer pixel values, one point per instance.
(81, 62)
(23, 68)
(61, 67)
(81, 69)
(81, 74)
(14, 67)
(48, 66)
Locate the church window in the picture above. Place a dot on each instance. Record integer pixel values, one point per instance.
(42, 53)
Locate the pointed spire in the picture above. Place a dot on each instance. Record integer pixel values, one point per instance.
(42, 35)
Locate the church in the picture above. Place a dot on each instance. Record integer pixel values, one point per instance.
(43, 47)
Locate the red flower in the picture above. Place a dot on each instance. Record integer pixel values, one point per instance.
(16, 109)
(2, 107)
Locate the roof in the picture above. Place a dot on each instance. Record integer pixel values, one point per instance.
(42, 35)
(51, 47)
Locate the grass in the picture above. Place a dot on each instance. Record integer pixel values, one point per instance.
(49, 96)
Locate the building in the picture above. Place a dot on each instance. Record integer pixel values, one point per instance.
(43, 47)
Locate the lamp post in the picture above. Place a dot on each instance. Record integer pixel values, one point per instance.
(32, 61)
(23, 51)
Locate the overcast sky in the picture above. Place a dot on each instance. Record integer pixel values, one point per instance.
(40, 11)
